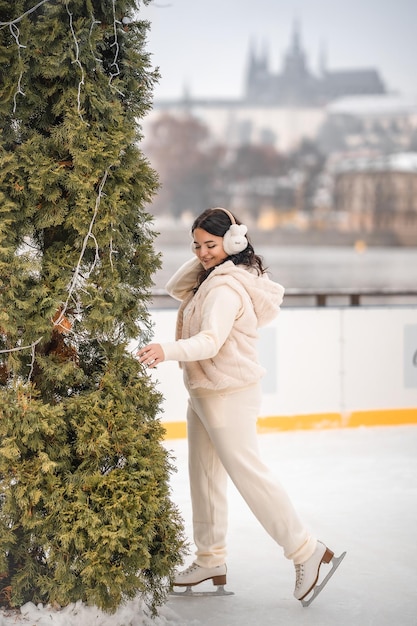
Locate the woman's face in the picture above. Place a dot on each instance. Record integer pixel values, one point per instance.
(208, 248)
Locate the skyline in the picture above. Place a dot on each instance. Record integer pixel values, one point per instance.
(216, 37)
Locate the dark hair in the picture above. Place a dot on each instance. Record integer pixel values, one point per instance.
(217, 222)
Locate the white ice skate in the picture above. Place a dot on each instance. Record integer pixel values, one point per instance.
(195, 574)
(307, 574)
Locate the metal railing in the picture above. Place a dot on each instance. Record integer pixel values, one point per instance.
(315, 297)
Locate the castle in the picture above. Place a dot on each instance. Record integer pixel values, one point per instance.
(297, 86)
(277, 108)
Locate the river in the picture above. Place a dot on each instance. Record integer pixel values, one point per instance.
(306, 267)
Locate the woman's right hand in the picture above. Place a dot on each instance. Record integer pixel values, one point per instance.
(151, 355)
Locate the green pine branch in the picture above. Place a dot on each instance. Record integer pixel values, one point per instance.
(85, 509)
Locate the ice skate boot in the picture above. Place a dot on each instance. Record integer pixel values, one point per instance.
(307, 573)
(195, 574)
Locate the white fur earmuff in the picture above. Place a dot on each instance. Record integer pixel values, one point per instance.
(234, 240)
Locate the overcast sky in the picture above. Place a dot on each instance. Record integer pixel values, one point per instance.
(204, 44)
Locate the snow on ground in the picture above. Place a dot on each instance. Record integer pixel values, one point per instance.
(355, 488)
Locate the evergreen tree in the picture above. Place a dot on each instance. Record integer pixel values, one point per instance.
(85, 508)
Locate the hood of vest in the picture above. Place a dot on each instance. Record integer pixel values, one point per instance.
(266, 295)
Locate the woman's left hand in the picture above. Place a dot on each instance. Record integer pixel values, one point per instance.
(151, 355)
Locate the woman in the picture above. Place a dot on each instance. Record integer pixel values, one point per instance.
(225, 296)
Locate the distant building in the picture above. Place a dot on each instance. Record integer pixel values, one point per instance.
(296, 85)
(366, 136)
(380, 124)
(279, 109)
(374, 195)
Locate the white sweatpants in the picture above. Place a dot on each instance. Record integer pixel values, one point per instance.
(222, 440)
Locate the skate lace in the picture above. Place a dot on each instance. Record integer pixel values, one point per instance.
(299, 575)
(191, 568)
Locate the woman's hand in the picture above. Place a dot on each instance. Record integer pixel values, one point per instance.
(151, 355)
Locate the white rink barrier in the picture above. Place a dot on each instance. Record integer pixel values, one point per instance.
(325, 367)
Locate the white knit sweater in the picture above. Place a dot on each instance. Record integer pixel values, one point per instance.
(216, 338)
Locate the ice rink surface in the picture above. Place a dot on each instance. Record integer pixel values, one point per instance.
(356, 489)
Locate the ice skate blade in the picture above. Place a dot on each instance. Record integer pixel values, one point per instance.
(336, 560)
(189, 593)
